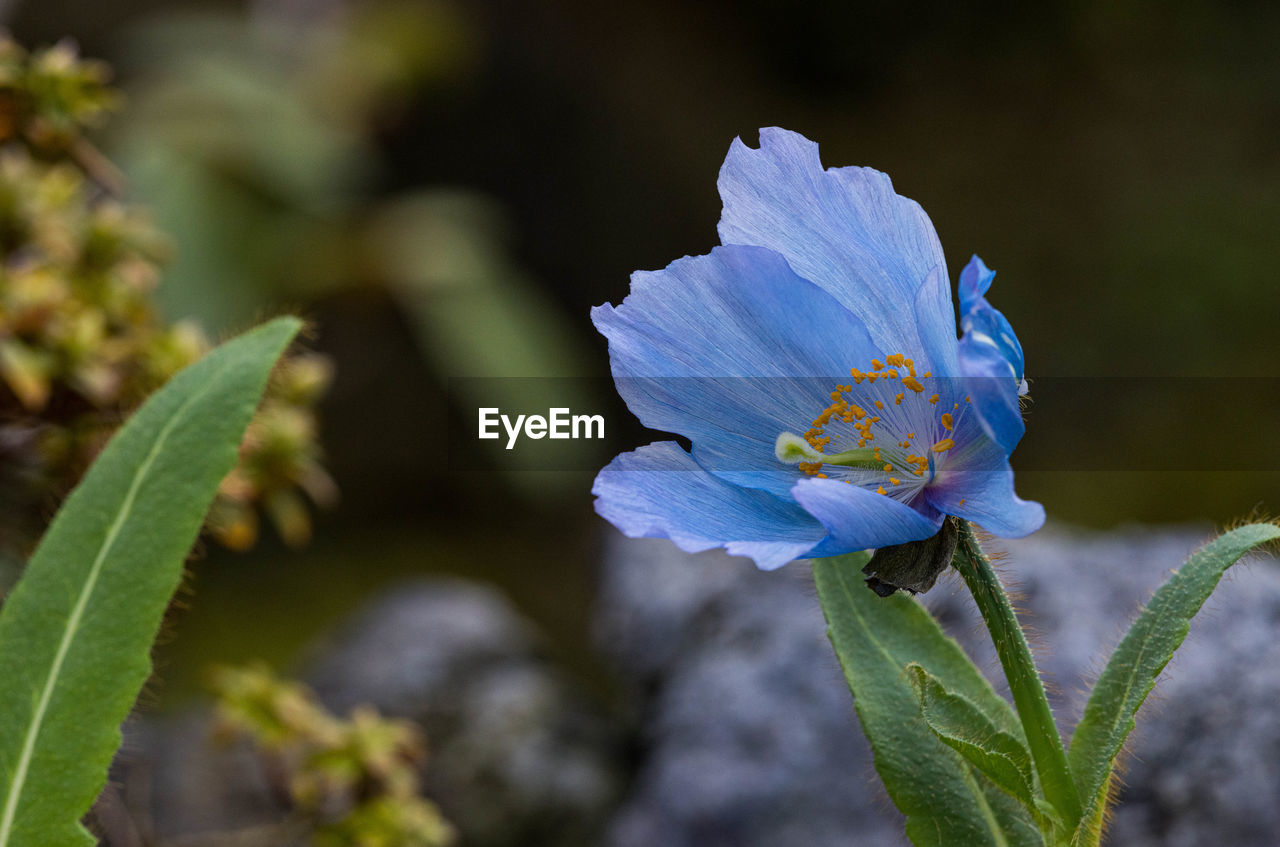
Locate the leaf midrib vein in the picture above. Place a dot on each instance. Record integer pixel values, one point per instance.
(82, 602)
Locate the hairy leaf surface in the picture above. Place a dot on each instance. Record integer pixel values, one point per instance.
(1146, 648)
(945, 799)
(76, 632)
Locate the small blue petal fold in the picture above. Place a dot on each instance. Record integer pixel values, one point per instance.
(991, 358)
(812, 361)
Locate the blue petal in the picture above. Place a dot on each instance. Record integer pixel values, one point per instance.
(994, 394)
(659, 492)
(857, 518)
(730, 350)
(975, 280)
(977, 484)
(939, 348)
(845, 230)
(991, 358)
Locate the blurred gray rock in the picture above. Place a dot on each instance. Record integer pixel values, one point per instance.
(517, 756)
(747, 730)
(747, 735)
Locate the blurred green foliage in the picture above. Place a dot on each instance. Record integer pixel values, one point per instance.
(353, 782)
(82, 341)
(257, 141)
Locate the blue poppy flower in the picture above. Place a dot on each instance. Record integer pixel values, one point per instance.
(813, 364)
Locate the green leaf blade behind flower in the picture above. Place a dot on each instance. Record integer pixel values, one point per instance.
(76, 631)
(946, 801)
(964, 728)
(1135, 665)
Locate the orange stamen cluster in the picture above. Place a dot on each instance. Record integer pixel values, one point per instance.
(844, 409)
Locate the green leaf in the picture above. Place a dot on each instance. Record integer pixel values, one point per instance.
(76, 631)
(962, 726)
(945, 800)
(1089, 832)
(1147, 647)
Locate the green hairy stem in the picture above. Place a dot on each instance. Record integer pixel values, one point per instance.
(1029, 698)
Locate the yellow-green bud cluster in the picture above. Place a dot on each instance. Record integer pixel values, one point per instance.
(81, 341)
(355, 781)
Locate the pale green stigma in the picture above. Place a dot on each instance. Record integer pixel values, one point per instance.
(793, 449)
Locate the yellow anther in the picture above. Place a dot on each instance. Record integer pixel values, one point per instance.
(928, 374)
(966, 398)
(956, 406)
(961, 503)
(881, 490)
(842, 409)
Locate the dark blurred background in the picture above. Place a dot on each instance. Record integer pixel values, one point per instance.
(446, 188)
